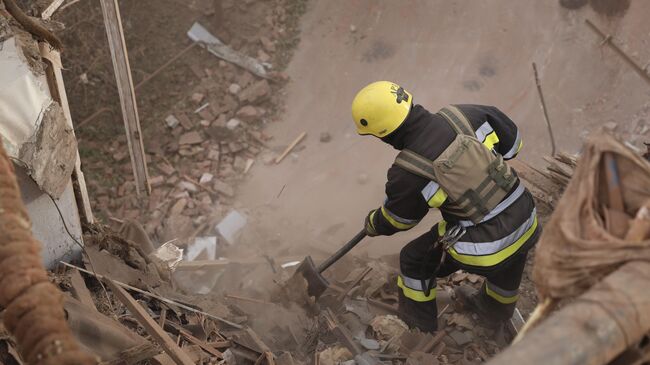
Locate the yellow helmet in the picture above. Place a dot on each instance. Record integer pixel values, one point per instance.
(380, 108)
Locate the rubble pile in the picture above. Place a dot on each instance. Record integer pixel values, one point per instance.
(202, 139)
(125, 308)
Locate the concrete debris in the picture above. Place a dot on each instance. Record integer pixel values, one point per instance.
(190, 138)
(421, 358)
(234, 89)
(334, 356)
(369, 344)
(388, 327)
(197, 97)
(223, 188)
(233, 123)
(461, 321)
(171, 121)
(247, 113)
(461, 338)
(169, 255)
(230, 227)
(187, 186)
(206, 178)
(156, 181)
(255, 93)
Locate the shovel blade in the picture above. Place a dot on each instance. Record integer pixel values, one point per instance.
(316, 283)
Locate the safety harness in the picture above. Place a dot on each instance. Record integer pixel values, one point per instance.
(475, 178)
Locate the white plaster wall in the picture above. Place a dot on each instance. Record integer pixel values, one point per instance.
(47, 226)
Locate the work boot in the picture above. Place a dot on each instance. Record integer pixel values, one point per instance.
(421, 315)
(478, 302)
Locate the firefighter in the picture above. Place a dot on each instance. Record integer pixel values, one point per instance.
(452, 160)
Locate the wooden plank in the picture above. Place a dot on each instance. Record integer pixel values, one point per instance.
(54, 6)
(80, 291)
(202, 344)
(209, 349)
(152, 328)
(113, 24)
(290, 147)
(155, 296)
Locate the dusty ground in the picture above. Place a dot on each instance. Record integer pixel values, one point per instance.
(316, 199)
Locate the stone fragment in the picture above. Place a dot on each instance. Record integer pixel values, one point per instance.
(187, 186)
(247, 113)
(197, 97)
(171, 121)
(156, 181)
(223, 188)
(461, 338)
(233, 123)
(192, 137)
(256, 92)
(185, 121)
(206, 178)
(268, 44)
(388, 326)
(166, 168)
(234, 89)
(178, 207)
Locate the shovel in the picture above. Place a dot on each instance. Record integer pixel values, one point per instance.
(316, 283)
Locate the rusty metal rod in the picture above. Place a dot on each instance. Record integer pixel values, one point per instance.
(543, 103)
(606, 38)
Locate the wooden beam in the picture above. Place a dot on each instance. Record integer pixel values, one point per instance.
(155, 296)
(119, 55)
(79, 290)
(152, 328)
(607, 319)
(57, 90)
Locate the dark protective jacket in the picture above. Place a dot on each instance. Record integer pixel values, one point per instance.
(409, 196)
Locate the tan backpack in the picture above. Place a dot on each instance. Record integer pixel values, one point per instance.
(474, 178)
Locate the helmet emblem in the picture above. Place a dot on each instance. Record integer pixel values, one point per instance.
(400, 94)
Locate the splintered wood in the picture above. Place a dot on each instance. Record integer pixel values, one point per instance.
(152, 328)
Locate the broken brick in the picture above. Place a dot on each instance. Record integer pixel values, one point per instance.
(247, 113)
(256, 92)
(190, 138)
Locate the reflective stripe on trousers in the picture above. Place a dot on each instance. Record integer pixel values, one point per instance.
(486, 254)
(502, 296)
(412, 289)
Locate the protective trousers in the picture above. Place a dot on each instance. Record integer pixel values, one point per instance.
(418, 262)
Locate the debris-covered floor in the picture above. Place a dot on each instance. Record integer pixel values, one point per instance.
(354, 320)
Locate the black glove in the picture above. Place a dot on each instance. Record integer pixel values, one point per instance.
(370, 228)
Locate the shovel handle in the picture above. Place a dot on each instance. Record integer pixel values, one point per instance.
(342, 251)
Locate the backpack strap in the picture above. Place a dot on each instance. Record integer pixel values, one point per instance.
(416, 164)
(457, 120)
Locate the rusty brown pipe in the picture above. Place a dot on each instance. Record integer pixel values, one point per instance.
(34, 313)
